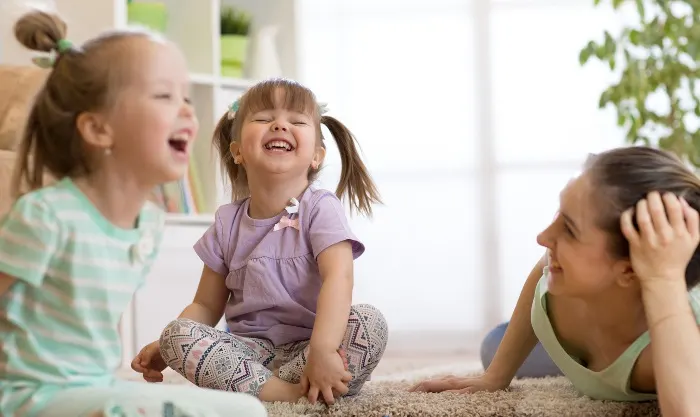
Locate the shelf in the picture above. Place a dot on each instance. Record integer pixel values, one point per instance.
(224, 82)
(203, 79)
(238, 83)
(179, 219)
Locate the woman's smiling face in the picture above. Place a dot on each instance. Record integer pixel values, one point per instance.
(580, 262)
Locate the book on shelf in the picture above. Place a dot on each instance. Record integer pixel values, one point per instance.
(184, 196)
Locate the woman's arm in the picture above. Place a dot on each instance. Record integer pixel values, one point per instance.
(675, 346)
(335, 264)
(209, 300)
(661, 247)
(517, 343)
(519, 339)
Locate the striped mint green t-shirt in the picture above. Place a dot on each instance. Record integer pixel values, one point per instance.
(75, 275)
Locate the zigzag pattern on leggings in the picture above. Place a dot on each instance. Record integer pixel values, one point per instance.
(365, 341)
(214, 359)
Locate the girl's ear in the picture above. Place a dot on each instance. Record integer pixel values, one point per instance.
(235, 150)
(319, 155)
(94, 130)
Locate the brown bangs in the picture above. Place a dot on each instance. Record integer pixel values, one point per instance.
(280, 93)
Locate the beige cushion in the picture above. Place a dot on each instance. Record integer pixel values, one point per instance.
(18, 87)
(6, 166)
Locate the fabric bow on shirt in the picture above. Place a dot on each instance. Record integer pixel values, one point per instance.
(287, 221)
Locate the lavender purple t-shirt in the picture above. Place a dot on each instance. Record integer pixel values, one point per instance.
(272, 275)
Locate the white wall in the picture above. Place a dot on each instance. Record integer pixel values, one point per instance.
(11, 52)
(84, 19)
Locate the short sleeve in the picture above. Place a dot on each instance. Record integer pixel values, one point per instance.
(29, 236)
(328, 225)
(210, 246)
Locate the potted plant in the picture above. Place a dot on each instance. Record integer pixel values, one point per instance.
(235, 25)
(152, 14)
(655, 98)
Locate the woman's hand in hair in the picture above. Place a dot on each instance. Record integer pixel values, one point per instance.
(667, 237)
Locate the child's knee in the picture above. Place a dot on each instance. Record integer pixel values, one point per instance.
(371, 315)
(375, 323)
(177, 327)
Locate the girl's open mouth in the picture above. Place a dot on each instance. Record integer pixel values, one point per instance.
(279, 145)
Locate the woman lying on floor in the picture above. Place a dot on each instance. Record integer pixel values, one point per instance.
(621, 268)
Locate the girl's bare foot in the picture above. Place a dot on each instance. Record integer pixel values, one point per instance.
(276, 389)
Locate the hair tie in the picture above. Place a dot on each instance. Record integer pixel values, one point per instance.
(63, 46)
(232, 109)
(49, 60)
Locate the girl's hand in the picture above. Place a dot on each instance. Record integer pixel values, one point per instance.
(668, 235)
(150, 363)
(325, 373)
(451, 383)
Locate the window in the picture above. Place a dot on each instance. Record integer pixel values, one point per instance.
(547, 120)
(395, 74)
(403, 76)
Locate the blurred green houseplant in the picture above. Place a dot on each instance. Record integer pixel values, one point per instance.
(234, 21)
(657, 57)
(235, 28)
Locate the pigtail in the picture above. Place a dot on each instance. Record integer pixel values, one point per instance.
(355, 181)
(29, 168)
(223, 136)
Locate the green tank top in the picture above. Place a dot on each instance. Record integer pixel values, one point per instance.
(613, 382)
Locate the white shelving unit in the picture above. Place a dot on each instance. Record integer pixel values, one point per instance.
(194, 25)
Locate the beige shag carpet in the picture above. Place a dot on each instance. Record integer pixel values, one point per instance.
(541, 397)
(386, 395)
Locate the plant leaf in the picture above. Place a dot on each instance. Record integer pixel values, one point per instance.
(640, 9)
(656, 62)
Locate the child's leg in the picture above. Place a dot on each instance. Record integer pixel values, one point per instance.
(364, 342)
(140, 399)
(290, 361)
(210, 358)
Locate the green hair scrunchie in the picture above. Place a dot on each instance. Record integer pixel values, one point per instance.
(63, 46)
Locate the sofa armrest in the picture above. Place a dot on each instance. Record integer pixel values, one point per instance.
(7, 162)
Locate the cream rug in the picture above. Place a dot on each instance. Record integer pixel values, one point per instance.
(386, 395)
(545, 397)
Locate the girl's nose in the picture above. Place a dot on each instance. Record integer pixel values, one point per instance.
(276, 127)
(187, 110)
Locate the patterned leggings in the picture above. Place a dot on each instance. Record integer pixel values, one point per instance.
(210, 358)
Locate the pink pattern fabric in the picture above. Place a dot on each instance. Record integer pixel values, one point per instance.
(234, 363)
